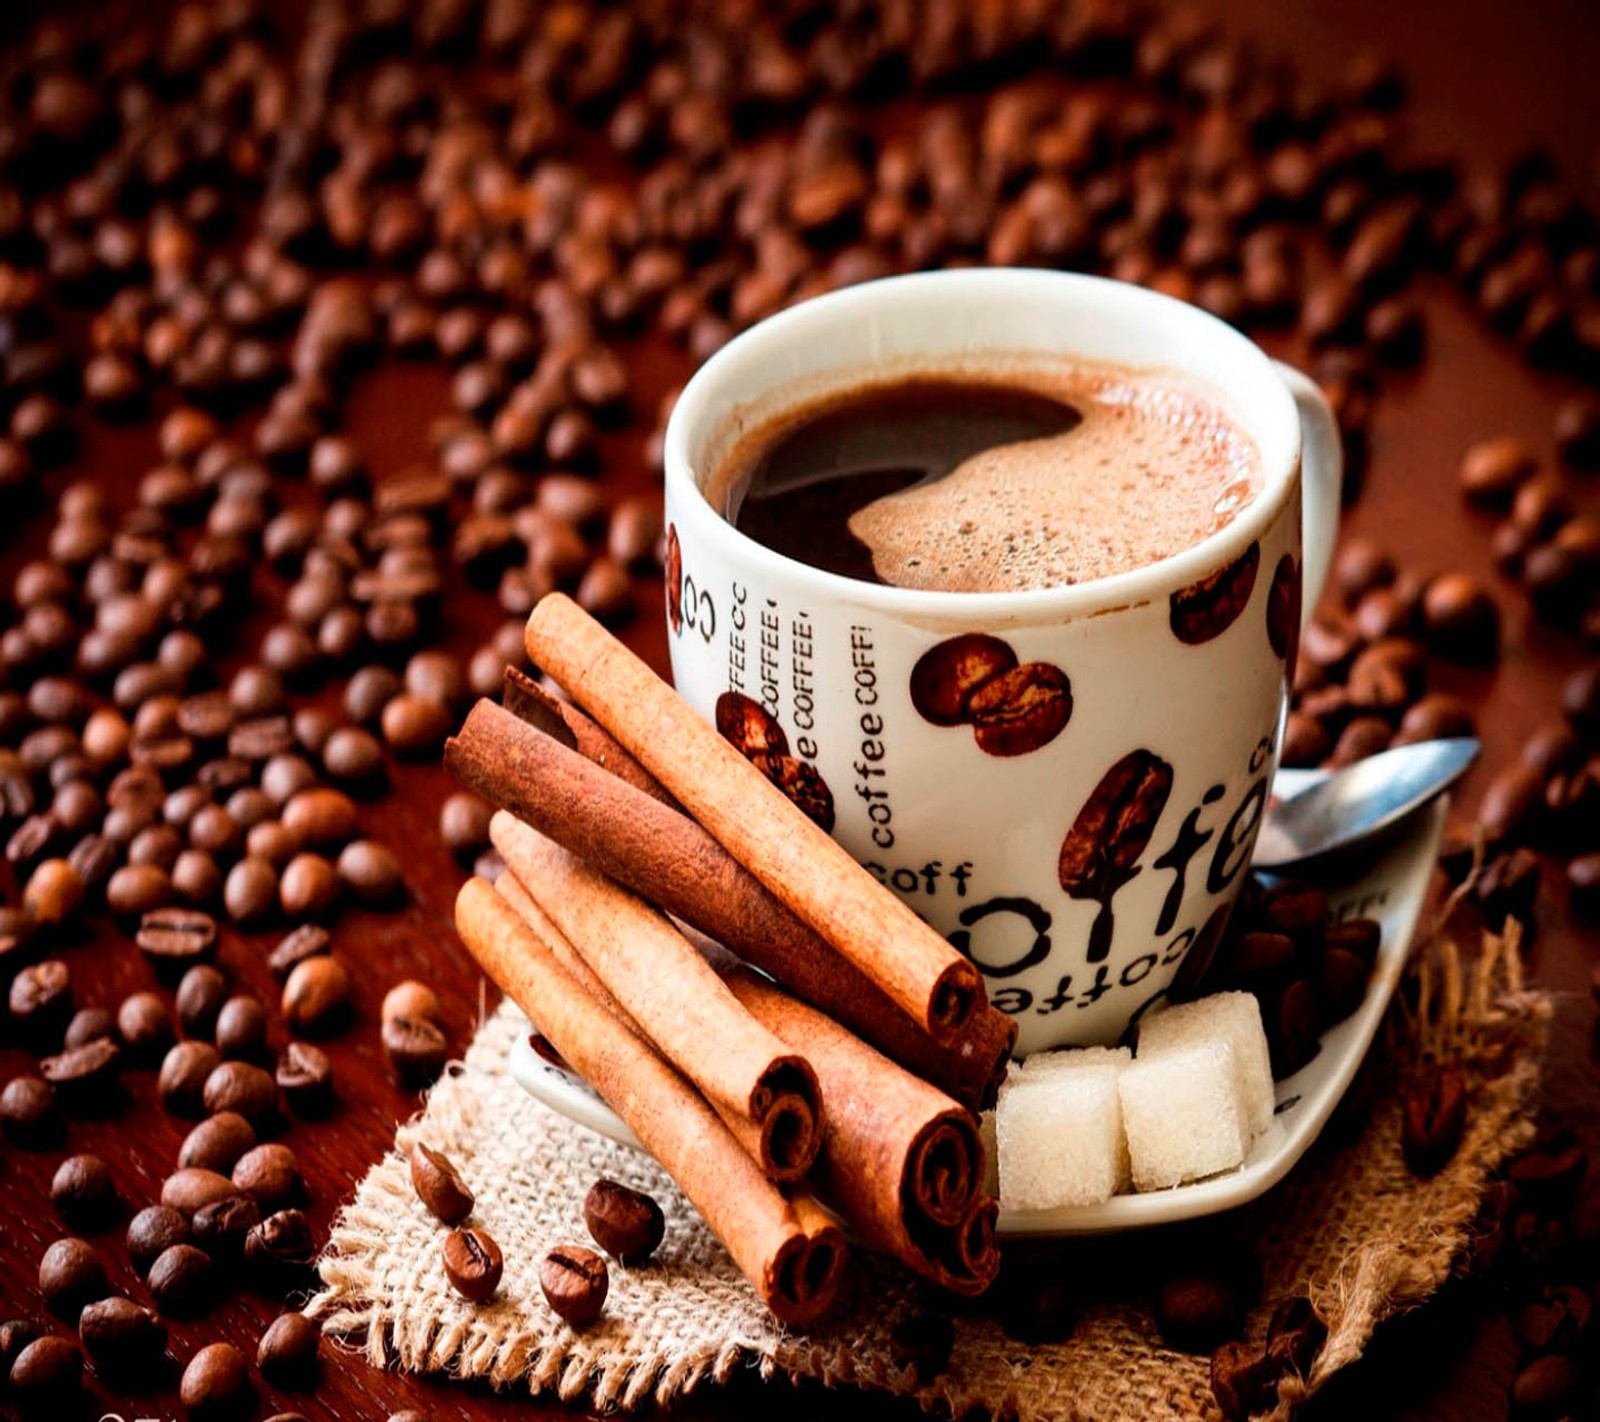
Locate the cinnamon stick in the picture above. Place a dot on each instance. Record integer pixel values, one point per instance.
(529, 702)
(664, 856)
(790, 1250)
(800, 863)
(900, 1160)
(767, 1093)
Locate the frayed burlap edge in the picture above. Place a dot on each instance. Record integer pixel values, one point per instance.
(1350, 1227)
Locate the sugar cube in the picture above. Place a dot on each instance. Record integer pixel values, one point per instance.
(1235, 1016)
(1183, 1114)
(1060, 1137)
(1069, 1059)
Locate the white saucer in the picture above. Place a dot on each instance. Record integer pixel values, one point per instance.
(1393, 890)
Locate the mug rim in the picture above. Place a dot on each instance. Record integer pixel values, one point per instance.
(1271, 420)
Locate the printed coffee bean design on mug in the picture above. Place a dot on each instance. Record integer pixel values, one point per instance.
(674, 577)
(976, 680)
(755, 733)
(1101, 852)
(1283, 611)
(1207, 608)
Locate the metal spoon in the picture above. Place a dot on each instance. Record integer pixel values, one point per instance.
(1359, 801)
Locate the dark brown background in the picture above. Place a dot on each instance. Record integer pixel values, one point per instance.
(1486, 82)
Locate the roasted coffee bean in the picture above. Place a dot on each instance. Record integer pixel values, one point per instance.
(1492, 470)
(87, 1078)
(1461, 620)
(305, 1077)
(464, 824)
(368, 692)
(1549, 1173)
(626, 1223)
(417, 1050)
(287, 1353)
(174, 939)
(71, 1275)
(415, 726)
(1434, 1108)
(84, 1193)
(181, 1280)
(137, 890)
(216, 1383)
(245, 1088)
(40, 998)
(270, 1175)
(411, 999)
(1295, 1335)
(1580, 702)
(1544, 1389)
(439, 1185)
(217, 1143)
(153, 1231)
(309, 887)
(354, 758)
(199, 999)
(1361, 737)
(946, 677)
(250, 892)
(1583, 884)
(15, 1335)
(322, 818)
(1196, 1311)
(308, 941)
(1360, 937)
(28, 1112)
(47, 1371)
(241, 1029)
(191, 1188)
(183, 1076)
(1435, 716)
(1555, 1320)
(922, 1344)
(144, 1027)
(281, 1246)
(574, 1280)
(1292, 1021)
(1512, 803)
(121, 1338)
(88, 1024)
(371, 872)
(316, 995)
(1244, 1381)
(220, 1227)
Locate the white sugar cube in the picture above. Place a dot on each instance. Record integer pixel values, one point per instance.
(1070, 1059)
(1183, 1113)
(1060, 1137)
(1235, 1016)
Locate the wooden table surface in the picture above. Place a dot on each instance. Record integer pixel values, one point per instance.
(1487, 81)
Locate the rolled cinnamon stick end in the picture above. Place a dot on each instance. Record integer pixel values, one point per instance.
(767, 1093)
(900, 1160)
(529, 702)
(667, 858)
(800, 863)
(790, 1250)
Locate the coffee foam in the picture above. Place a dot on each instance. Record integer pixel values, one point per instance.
(1155, 467)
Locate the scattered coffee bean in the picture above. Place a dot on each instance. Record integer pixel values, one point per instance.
(87, 1079)
(287, 1354)
(245, 1088)
(153, 1231)
(84, 1193)
(71, 1275)
(88, 1024)
(624, 1222)
(41, 1001)
(411, 999)
(121, 1338)
(417, 1050)
(28, 1112)
(316, 995)
(175, 939)
(217, 1143)
(1545, 1388)
(144, 1027)
(183, 1076)
(308, 941)
(464, 824)
(250, 892)
(574, 1281)
(15, 1335)
(305, 1077)
(199, 999)
(270, 1174)
(1434, 1119)
(371, 872)
(191, 1188)
(47, 1371)
(1492, 470)
(241, 1029)
(281, 1246)
(180, 1279)
(216, 1382)
(1243, 1381)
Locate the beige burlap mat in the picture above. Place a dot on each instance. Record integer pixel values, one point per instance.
(1350, 1227)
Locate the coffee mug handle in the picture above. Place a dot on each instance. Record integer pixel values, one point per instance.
(1321, 483)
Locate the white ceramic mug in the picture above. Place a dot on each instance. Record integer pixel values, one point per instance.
(1083, 869)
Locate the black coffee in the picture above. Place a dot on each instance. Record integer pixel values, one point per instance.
(966, 484)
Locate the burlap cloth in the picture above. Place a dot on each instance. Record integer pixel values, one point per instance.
(1350, 1226)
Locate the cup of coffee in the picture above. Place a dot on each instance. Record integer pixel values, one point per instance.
(1000, 574)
